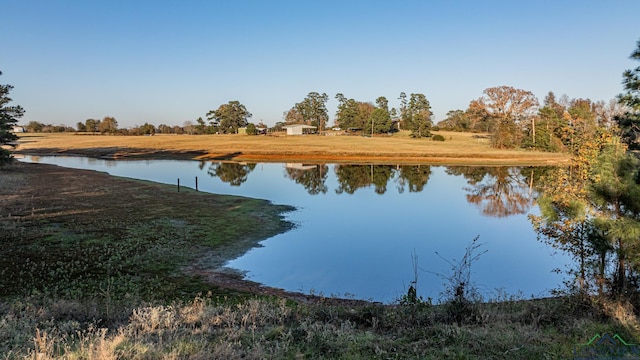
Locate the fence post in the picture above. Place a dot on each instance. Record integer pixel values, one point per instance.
(178, 184)
(196, 183)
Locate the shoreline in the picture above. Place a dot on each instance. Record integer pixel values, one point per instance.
(138, 154)
(31, 181)
(220, 313)
(211, 267)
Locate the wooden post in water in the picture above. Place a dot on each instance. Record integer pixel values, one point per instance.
(178, 184)
(196, 183)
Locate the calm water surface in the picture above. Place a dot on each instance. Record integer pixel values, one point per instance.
(358, 225)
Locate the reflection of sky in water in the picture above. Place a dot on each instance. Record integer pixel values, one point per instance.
(361, 243)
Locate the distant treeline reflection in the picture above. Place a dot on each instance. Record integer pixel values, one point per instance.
(497, 191)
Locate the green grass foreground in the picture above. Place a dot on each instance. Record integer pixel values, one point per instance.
(97, 267)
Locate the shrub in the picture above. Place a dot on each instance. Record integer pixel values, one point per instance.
(251, 129)
(437, 137)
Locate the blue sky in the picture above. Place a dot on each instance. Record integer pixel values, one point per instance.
(172, 61)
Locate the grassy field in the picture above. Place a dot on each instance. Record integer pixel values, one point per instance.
(99, 267)
(458, 148)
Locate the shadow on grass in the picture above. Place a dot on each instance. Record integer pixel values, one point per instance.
(117, 152)
(229, 156)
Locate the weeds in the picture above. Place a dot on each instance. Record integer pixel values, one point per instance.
(459, 286)
(272, 328)
(412, 297)
(110, 288)
(460, 295)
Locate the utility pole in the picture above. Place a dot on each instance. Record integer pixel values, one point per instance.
(372, 127)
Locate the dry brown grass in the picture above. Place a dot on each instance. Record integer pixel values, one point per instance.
(275, 329)
(107, 321)
(459, 148)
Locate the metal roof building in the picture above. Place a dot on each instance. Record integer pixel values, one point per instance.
(298, 129)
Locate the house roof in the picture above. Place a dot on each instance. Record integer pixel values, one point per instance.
(299, 126)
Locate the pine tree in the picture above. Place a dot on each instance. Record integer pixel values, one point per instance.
(629, 122)
(8, 119)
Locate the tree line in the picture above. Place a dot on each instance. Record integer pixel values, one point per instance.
(513, 117)
(516, 119)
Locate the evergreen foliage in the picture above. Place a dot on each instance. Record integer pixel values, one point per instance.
(313, 110)
(251, 129)
(418, 116)
(9, 116)
(229, 117)
(629, 122)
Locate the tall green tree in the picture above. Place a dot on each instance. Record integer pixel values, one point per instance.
(363, 118)
(347, 113)
(201, 127)
(380, 121)
(9, 115)
(418, 116)
(352, 114)
(551, 124)
(164, 129)
(146, 129)
(92, 125)
(402, 111)
(629, 122)
(314, 110)
(230, 116)
(583, 126)
(380, 117)
(81, 126)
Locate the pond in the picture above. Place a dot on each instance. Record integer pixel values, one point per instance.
(358, 227)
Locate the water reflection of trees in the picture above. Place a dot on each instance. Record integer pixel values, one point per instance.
(233, 173)
(498, 191)
(591, 210)
(414, 177)
(354, 177)
(312, 177)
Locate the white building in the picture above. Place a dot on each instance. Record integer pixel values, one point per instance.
(298, 129)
